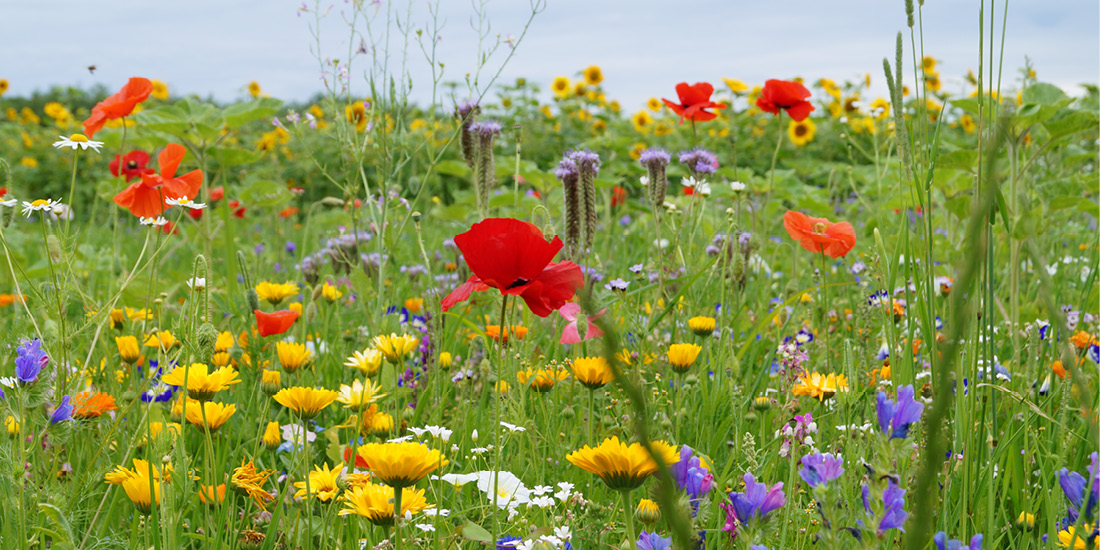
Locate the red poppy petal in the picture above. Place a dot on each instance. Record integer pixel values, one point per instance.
(570, 334)
(505, 252)
(169, 159)
(463, 292)
(675, 107)
(275, 323)
(800, 111)
(797, 224)
(766, 106)
(703, 116)
(557, 284)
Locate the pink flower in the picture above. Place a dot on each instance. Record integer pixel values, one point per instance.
(570, 335)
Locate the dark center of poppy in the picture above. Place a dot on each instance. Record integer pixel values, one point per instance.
(132, 165)
(517, 283)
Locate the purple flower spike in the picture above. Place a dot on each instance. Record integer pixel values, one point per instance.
(894, 514)
(819, 469)
(30, 360)
(63, 412)
(894, 419)
(659, 157)
(690, 475)
(487, 128)
(757, 500)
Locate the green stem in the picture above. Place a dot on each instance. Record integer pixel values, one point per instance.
(397, 517)
(628, 513)
(825, 312)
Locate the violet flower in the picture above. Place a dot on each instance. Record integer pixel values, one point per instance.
(30, 360)
(63, 412)
(691, 476)
(653, 541)
(757, 500)
(894, 418)
(893, 512)
(943, 544)
(819, 469)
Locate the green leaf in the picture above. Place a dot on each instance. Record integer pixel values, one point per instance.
(1061, 203)
(239, 114)
(453, 168)
(960, 206)
(475, 532)
(1069, 122)
(1089, 207)
(232, 156)
(265, 194)
(1042, 93)
(167, 118)
(963, 159)
(970, 105)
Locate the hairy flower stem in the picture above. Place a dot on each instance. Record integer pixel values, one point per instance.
(825, 311)
(397, 517)
(628, 511)
(497, 405)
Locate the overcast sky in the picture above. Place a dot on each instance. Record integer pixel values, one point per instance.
(643, 46)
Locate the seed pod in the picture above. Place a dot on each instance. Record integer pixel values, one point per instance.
(53, 245)
(206, 337)
(253, 299)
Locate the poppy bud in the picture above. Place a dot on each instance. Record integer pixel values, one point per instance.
(54, 247)
(206, 337)
(311, 312)
(252, 298)
(317, 290)
(568, 413)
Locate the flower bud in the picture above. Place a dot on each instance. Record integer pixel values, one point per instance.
(647, 512)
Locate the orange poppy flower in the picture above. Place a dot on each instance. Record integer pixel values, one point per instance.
(694, 100)
(275, 323)
(92, 405)
(145, 198)
(119, 105)
(819, 234)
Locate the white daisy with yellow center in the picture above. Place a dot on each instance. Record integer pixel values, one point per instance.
(78, 140)
(40, 205)
(155, 222)
(186, 203)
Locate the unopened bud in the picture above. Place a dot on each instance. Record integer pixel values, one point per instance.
(53, 245)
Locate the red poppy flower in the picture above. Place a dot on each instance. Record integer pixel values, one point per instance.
(195, 214)
(819, 234)
(276, 322)
(133, 165)
(513, 257)
(360, 462)
(694, 102)
(288, 212)
(618, 196)
(789, 96)
(238, 210)
(146, 197)
(217, 193)
(119, 105)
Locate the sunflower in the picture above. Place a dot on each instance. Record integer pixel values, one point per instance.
(801, 133)
(201, 383)
(3, 85)
(92, 405)
(401, 464)
(820, 386)
(967, 123)
(932, 82)
(247, 481)
(702, 326)
(359, 396)
(292, 355)
(275, 293)
(642, 121)
(128, 348)
(160, 90)
(322, 483)
(593, 372)
(216, 414)
(375, 502)
(254, 89)
(928, 64)
(561, 86)
(543, 379)
(622, 466)
(367, 361)
(682, 356)
(306, 402)
(593, 75)
(395, 347)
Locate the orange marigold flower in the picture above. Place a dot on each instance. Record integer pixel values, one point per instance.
(92, 405)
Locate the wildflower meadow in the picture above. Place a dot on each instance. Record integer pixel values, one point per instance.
(785, 314)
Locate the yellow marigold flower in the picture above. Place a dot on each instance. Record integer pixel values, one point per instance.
(367, 361)
(541, 380)
(682, 356)
(201, 384)
(445, 359)
(622, 466)
(128, 348)
(414, 305)
(254, 89)
(216, 414)
(593, 75)
(275, 293)
(11, 425)
(330, 293)
(322, 483)
(375, 502)
(359, 396)
(395, 347)
(292, 355)
(502, 386)
(736, 86)
(820, 386)
(401, 464)
(1026, 521)
(207, 494)
(647, 511)
(246, 480)
(801, 133)
(139, 491)
(702, 326)
(306, 402)
(141, 467)
(624, 357)
(374, 422)
(224, 342)
(1069, 536)
(163, 340)
(136, 314)
(1081, 339)
(593, 372)
(157, 428)
(271, 381)
(272, 436)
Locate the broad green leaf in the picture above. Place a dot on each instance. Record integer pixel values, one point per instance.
(239, 114)
(475, 532)
(232, 156)
(960, 206)
(1042, 93)
(453, 168)
(963, 159)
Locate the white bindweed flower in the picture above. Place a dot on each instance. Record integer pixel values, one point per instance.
(39, 205)
(185, 202)
(155, 222)
(435, 431)
(77, 140)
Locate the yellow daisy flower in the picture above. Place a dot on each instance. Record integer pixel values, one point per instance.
(622, 466)
(367, 361)
(292, 355)
(275, 293)
(401, 464)
(682, 356)
(593, 372)
(306, 402)
(375, 502)
(359, 396)
(395, 347)
(216, 414)
(322, 483)
(201, 384)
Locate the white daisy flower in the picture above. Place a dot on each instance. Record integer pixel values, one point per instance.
(426, 527)
(197, 283)
(155, 222)
(186, 203)
(737, 186)
(513, 427)
(9, 203)
(39, 205)
(77, 140)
